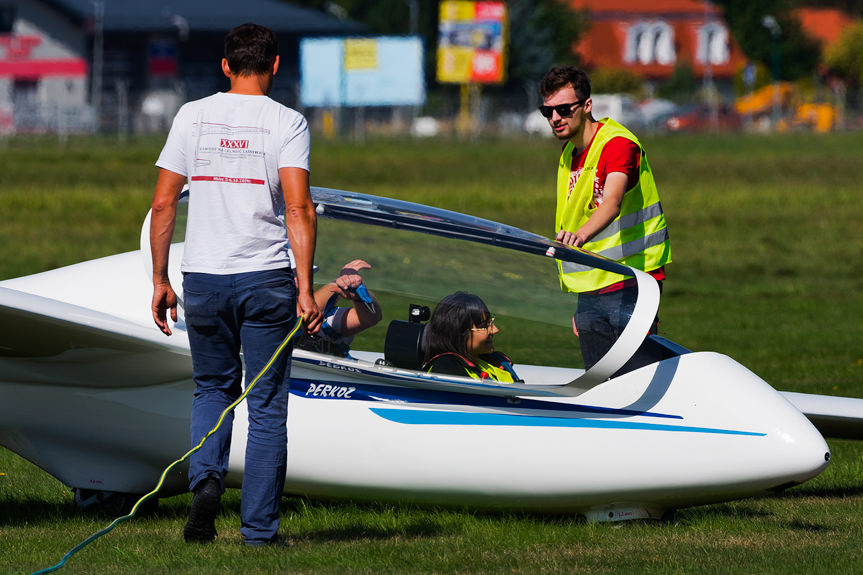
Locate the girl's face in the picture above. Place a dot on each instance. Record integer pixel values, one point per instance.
(481, 338)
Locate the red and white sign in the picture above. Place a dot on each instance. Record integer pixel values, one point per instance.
(16, 61)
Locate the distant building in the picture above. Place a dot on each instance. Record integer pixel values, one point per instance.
(651, 38)
(823, 24)
(43, 66)
(143, 58)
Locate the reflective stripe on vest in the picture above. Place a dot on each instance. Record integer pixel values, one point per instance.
(637, 237)
(622, 251)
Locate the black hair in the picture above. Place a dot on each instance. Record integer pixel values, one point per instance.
(450, 324)
(562, 76)
(251, 49)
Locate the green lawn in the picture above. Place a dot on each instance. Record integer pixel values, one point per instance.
(768, 268)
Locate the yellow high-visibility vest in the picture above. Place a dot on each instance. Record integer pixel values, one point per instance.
(483, 364)
(494, 372)
(637, 237)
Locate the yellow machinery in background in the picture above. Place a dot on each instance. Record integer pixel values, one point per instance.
(784, 98)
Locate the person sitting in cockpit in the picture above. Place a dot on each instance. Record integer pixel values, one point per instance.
(459, 340)
(341, 324)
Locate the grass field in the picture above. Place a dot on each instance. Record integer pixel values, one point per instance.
(768, 268)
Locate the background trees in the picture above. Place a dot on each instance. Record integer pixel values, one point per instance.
(798, 53)
(541, 32)
(845, 57)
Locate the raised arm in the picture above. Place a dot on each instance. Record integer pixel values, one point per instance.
(363, 314)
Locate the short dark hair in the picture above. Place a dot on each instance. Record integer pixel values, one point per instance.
(562, 76)
(251, 49)
(448, 330)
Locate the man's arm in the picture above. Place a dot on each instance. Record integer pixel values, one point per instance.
(169, 185)
(302, 225)
(615, 186)
(362, 315)
(622, 158)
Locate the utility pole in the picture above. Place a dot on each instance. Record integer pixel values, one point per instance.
(96, 84)
(772, 25)
(413, 18)
(709, 90)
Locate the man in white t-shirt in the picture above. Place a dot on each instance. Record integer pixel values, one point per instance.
(246, 159)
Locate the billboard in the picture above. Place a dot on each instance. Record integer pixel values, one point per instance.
(367, 71)
(472, 42)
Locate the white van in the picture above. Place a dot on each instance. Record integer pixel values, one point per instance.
(619, 107)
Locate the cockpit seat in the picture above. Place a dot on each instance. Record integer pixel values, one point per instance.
(403, 346)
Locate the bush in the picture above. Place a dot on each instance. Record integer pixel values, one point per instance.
(615, 81)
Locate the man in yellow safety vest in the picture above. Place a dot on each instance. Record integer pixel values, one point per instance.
(607, 203)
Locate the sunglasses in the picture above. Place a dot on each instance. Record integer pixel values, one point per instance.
(563, 110)
(486, 327)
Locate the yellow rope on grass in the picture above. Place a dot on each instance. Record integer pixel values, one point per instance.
(226, 411)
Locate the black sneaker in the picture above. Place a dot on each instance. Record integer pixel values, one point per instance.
(201, 527)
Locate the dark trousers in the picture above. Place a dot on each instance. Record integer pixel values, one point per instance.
(601, 318)
(225, 314)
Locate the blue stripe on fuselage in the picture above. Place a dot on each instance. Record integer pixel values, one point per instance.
(383, 393)
(423, 417)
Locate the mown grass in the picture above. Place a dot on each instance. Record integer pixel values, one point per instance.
(767, 269)
(810, 529)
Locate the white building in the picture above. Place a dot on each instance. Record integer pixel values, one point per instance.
(63, 63)
(43, 69)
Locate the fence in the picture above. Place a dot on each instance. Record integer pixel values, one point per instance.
(496, 113)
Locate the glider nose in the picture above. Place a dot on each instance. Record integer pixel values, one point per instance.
(806, 451)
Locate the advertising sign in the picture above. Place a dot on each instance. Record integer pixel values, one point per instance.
(373, 71)
(472, 42)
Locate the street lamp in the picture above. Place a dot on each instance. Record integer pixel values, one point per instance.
(775, 30)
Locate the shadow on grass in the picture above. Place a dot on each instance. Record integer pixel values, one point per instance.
(360, 530)
(803, 525)
(743, 512)
(359, 520)
(805, 491)
(36, 511)
(402, 519)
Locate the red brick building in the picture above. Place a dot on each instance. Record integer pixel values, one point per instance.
(650, 38)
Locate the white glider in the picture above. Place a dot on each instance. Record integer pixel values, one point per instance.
(96, 396)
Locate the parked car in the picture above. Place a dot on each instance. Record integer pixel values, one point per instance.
(699, 118)
(622, 108)
(657, 111)
(534, 123)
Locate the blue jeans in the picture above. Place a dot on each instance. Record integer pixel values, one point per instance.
(254, 311)
(601, 318)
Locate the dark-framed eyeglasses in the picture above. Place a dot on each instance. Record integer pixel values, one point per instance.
(486, 327)
(563, 110)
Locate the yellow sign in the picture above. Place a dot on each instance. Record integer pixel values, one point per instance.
(457, 10)
(361, 54)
